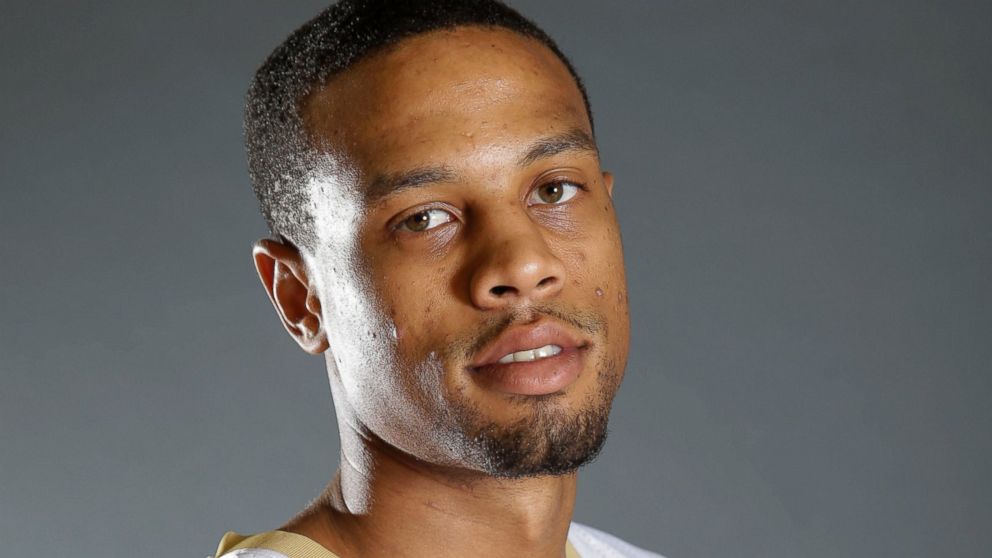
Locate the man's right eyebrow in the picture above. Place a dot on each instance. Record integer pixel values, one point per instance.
(388, 184)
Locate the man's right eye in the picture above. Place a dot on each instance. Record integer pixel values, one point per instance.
(424, 220)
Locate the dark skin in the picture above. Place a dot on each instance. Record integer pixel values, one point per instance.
(476, 195)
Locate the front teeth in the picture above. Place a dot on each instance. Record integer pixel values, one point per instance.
(532, 354)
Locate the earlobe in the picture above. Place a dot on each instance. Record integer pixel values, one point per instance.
(608, 181)
(284, 277)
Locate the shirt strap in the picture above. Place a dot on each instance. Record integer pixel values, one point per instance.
(290, 544)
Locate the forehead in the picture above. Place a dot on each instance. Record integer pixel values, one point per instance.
(438, 95)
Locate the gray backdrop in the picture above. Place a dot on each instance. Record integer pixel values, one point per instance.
(807, 208)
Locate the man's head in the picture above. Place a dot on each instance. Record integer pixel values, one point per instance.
(449, 238)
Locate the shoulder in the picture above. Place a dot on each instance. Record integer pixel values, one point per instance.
(270, 544)
(593, 543)
(588, 542)
(253, 553)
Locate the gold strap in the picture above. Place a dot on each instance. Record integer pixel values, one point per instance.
(290, 544)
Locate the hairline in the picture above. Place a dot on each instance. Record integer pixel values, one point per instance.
(317, 145)
(318, 85)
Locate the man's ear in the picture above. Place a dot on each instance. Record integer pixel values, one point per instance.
(284, 276)
(608, 181)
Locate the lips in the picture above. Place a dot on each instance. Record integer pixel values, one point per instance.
(533, 359)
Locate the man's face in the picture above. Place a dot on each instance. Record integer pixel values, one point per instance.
(468, 264)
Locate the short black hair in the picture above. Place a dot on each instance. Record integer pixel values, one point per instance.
(280, 154)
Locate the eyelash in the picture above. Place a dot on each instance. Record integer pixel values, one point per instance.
(399, 226)
(559, 182)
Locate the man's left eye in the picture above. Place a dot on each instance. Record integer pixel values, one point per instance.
(553, 193)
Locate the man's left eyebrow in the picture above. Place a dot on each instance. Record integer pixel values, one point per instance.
(573, 140)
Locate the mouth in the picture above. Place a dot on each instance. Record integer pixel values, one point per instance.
(536, 359)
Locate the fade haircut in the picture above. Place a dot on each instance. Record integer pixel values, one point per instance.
(281, 155)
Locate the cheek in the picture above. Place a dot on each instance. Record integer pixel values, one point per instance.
(597, 270)
(593, 252)
(414, 303)
(390, 385)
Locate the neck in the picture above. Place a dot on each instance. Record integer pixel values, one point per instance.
(383, 502)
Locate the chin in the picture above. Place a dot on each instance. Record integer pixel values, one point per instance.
(551, 439)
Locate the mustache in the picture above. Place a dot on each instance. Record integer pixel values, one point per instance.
(590, 323)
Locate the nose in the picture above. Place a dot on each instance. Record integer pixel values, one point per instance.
(514, 268)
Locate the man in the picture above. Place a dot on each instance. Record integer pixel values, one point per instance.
(445, 237)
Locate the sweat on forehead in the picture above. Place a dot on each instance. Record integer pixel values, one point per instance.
(280, 156)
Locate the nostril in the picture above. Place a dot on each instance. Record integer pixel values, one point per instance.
(500, 290)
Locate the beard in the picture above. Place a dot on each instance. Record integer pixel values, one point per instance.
(552, 438)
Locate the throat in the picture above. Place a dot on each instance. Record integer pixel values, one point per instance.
(408, 513)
